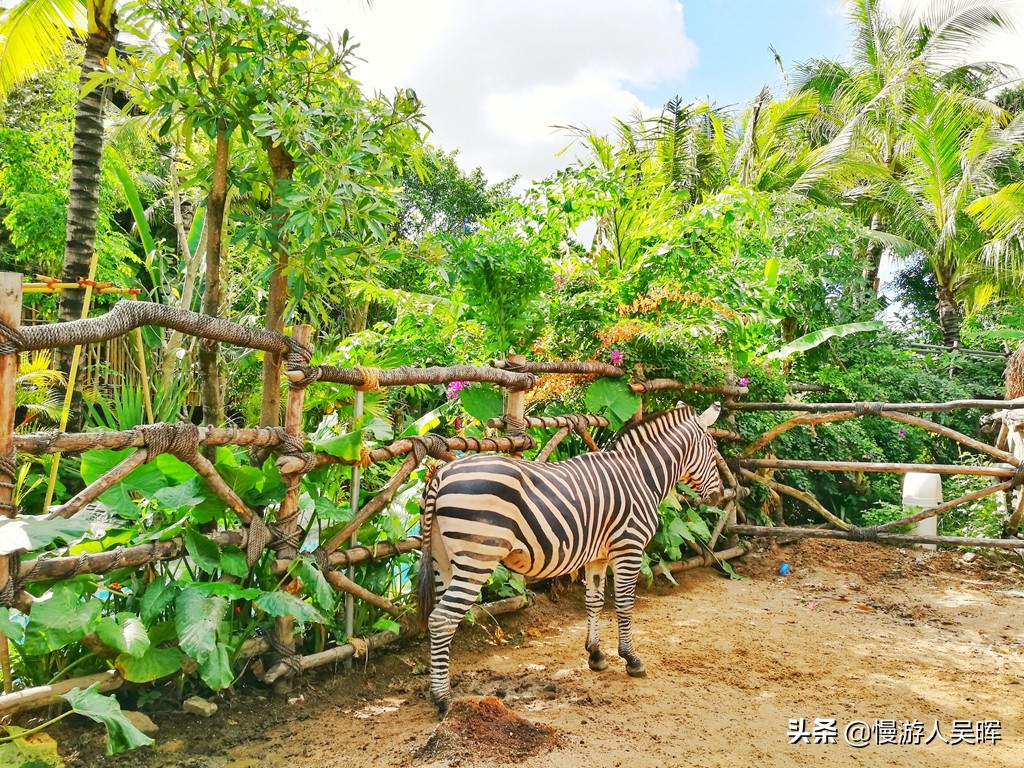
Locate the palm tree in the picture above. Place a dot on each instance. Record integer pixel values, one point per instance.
(32, 35)
(954, 195)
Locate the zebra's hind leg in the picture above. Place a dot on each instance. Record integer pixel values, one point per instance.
(595, 575)
(626, 570)
(459, 596)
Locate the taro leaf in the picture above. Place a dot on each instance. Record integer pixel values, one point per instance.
(13, 537)
(60, 619)
(481, 401)
(424, 423)
(197, 618)
(612, 398)
(42, 531)
(152, 665)
(696, 524)
(147, 479)
(127, 634)
(285, 604)
(215, 670)
(329, 512)
(183, 496)
(203, 550)
(242, 479)
(156, 598)
(345, 446)
(315, 584)
(811, 340)
(121, 734)
(232, 561)
(11, 628)
(679, 528)
(379, 428)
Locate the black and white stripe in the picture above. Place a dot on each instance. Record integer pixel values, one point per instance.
(541, 520)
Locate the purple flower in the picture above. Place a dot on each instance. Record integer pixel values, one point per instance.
(744, 381)
(617, 357)
(454, 387)
(901, 432)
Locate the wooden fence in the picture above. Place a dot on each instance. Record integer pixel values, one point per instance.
(278, 529)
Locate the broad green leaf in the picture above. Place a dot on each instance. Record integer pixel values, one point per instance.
(481, 401)
(14, 631)
(157, 596)
(232, 561)
(315, 584)
(771, 272)
(62, 618)
(612, 398)
(138, 210)
(42, 531)
(203, 550)
(127, 634)
(197, 618)
(285, 604)
(812, 340)
(424, 423)
(121, 734)
(347, 446)
(152, 665)
(147, 479)
(215, 670)
(384, 624)
(227, 589)
(182, 496)
(13, 537)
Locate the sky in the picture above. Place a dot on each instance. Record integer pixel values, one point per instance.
(498, 77)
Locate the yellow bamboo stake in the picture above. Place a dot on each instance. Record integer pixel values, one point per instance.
(72, 375)
(141, 350)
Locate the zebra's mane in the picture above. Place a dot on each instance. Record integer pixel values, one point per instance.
(685, 412)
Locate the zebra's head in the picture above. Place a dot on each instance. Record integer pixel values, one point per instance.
(700, 469)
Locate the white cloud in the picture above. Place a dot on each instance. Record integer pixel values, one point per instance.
(496, 76)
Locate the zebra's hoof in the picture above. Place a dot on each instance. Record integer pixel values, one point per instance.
(442, 708)
(598, 662)
(636, 670)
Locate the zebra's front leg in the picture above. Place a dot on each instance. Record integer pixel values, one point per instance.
(595, 576)
(626, 570)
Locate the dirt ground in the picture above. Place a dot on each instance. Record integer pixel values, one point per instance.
(854, 632)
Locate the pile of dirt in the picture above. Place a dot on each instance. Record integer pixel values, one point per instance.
(484, 721)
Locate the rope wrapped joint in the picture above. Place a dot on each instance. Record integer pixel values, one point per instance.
(868, 533)
(180, 440)
(11, 339)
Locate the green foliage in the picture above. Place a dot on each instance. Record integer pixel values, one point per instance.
(121, 734)
(614, 399)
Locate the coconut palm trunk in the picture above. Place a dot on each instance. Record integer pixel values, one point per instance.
(949, 316)
(83, 205)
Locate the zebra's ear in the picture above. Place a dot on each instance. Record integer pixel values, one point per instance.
(710, 416)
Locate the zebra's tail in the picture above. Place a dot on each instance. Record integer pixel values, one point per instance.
(425, 588)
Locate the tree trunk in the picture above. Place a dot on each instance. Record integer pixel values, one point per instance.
(949, 316)
(283, 165)
(84, 199)
(212, 392)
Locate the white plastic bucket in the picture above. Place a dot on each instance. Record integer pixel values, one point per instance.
(922, 490)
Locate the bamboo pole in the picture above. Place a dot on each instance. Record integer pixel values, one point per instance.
(588, 438)
(866, 408)
(884, 538)
(288, 512)
(566, 420)
(870, 466)
(953, 434)
(1013, 524)
(348, 582)
(10, 316)
(924, 514)
(216, 483)
(69, 392)
(57, 287)
(359, 554)
(45, 695)
(796, 421)
(803, 496)
(709, 558)
(352, 590)
(140, 350)
(545, 452)
(101, 484)
(516, 408)
(560, 366)
(659, 385)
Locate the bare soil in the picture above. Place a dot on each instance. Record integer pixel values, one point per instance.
(854, 632)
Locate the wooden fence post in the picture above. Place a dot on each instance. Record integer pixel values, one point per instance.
(288, 514)
(515, 411)
(10, 316)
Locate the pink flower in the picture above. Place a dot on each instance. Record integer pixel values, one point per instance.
(454, 387)
(744, 381)
(617, 357)
(901, 432)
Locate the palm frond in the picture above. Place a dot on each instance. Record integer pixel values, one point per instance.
(32, 38)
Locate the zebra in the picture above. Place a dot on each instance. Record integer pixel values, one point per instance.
(543, 520)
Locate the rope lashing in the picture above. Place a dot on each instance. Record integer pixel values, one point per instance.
(870, 533)
(310, 374)
(870, 407)
(180, 440)
(9, 591)
(8, 465)
(320, 557)
(1018, 477)
(371, 377)
(11, 339)
(431, 445)
(256, 540)
(292, 445)
(514, 425)
(281, 653)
